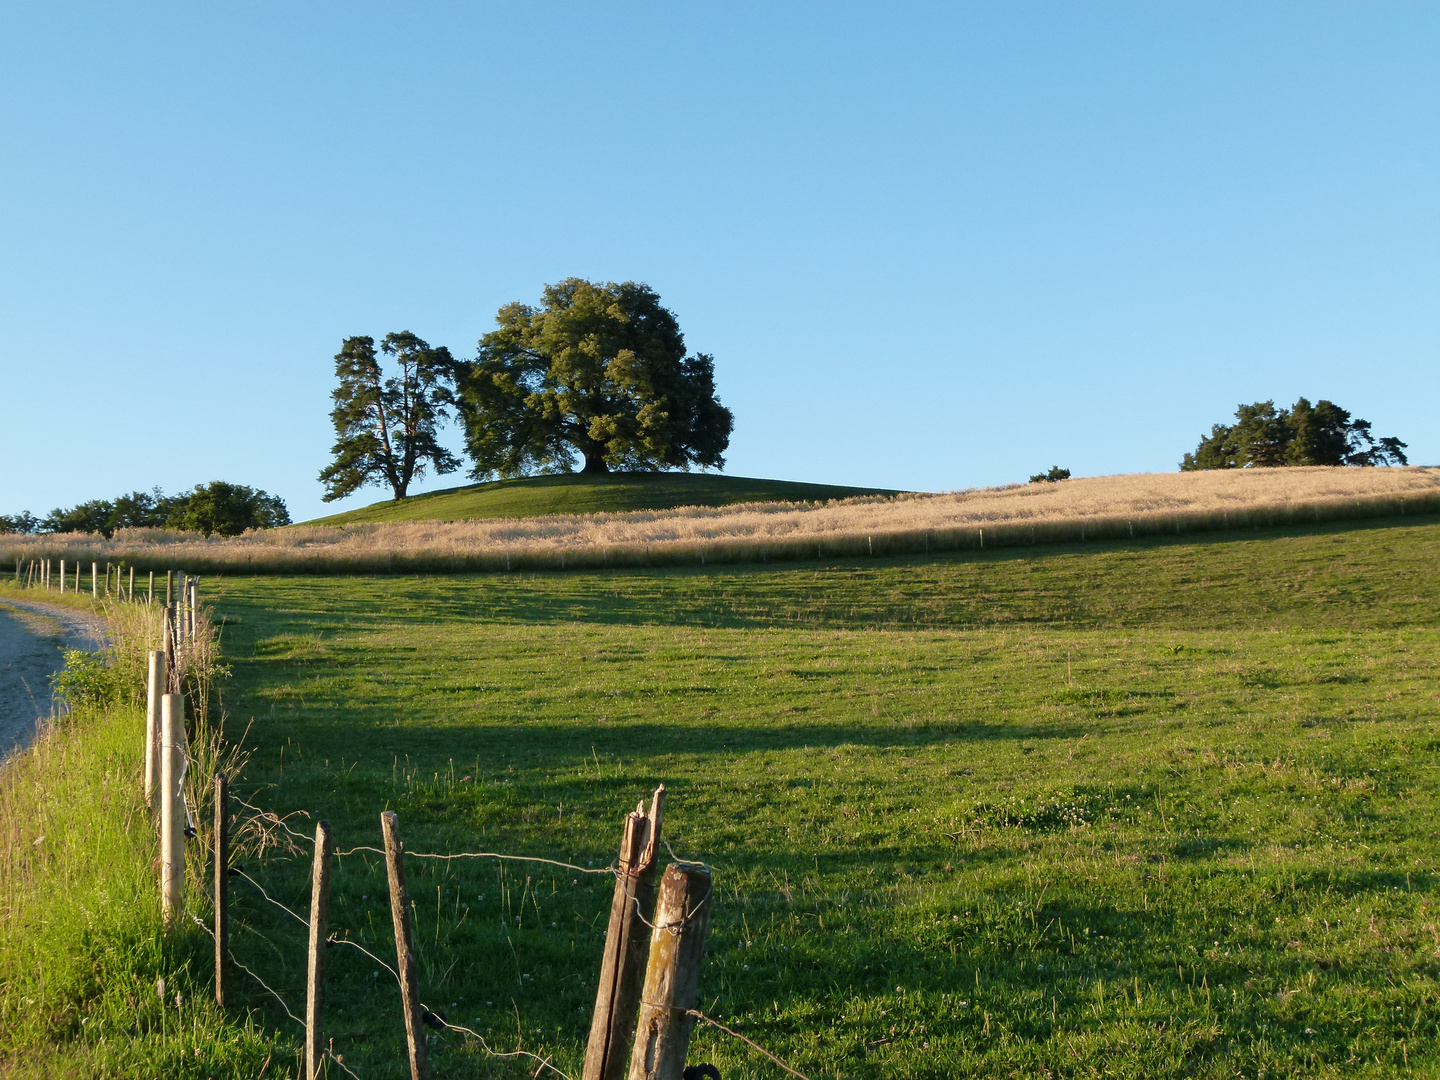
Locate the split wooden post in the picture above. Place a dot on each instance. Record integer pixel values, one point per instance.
(94, 581)
(132, 584)
(315, 979)
(169, 577)
(62, 577)
(622, 966)
(222, 882)
(172, 808)
(151, 598)
(404, 945)
(167, 643)
(154, 691)
(672, 978)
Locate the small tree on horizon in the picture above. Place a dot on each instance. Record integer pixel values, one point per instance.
(385, 427)
(598, 370)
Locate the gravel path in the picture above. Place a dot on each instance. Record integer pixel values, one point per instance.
(32, 637)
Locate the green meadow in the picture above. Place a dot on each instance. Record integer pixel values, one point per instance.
(581, 493)
(1145, 810)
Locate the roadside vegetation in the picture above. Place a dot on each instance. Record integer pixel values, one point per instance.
(89, 983)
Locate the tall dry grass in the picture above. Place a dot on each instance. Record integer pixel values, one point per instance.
(1081, 509)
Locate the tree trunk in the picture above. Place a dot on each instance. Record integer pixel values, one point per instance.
(595, 462)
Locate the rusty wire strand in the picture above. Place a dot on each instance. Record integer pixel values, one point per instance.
(611, 870)
(698, 1015)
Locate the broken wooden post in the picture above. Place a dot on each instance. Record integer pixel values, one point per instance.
(622, 966)
(672, 978)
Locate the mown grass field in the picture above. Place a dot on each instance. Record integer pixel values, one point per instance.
(1159, 809)
(576, 493)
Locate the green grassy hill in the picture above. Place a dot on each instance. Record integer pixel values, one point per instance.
(576, 493)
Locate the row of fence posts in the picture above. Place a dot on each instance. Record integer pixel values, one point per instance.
(642, 1021)
(40, 574)
(167, 752)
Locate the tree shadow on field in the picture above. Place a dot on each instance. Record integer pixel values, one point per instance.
(566, 745)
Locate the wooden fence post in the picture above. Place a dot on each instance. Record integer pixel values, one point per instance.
(672, 978)
(132, 584)
(222, 882)
(182, 595)
(404, 945)
(315, 979)
(622, 966)
(154, 691)
(167, 643)
(151, 598)
(169, 577)
(172, 808)
(94, 581)
(62, 577)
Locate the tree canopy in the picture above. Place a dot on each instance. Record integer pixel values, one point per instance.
(598, 371)
(385, 426)
(217, 507)
(1304, 434)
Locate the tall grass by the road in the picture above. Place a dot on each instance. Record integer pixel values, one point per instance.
(1083, 509)
(83, 955)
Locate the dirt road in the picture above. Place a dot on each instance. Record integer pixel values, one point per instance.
(33, 636)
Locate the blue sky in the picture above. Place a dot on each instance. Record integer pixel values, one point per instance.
(929, 246)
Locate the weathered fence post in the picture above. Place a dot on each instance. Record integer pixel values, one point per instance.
(672, 978)
(315, 979)
(132, 584)
(62, 577)
(172, 807)
(222, 882)
(151, 598)
(169, 578)
(404, 945)
(622, 966)
(94, 581)
(167, 642)
(183, 595)
(154, 691)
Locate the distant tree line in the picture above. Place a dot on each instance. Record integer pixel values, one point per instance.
(218, 507)
(597, 373)
(1304, 434)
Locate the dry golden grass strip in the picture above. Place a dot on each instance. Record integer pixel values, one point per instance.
(1080, 509)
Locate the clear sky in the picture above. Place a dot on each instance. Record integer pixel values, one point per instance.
(929, 246)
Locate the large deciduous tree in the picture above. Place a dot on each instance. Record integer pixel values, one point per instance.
(385, 427)
(597, 371)
(1304, 434)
